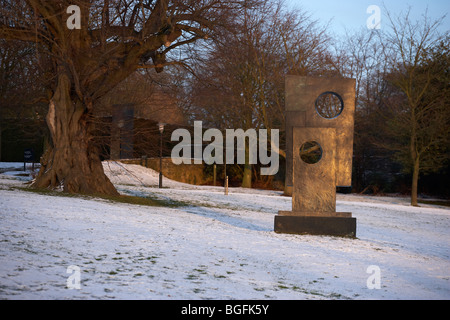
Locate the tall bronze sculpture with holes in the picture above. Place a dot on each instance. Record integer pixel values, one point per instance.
(319, 149)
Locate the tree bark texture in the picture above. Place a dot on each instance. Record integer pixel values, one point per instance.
(415, 183)
(71, 162)
(247, 174)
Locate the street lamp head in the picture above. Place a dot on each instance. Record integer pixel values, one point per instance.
(161, 127)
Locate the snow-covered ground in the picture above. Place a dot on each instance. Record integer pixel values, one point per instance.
(215, 247)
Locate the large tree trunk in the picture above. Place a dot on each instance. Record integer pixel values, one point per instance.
(415, 183)
(415, 157)
(71, 162)
(247, 175)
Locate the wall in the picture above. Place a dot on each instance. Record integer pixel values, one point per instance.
(187, 173)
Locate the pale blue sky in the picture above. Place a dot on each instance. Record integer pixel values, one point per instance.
(351, 14)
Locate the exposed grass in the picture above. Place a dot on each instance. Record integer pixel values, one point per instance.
(146, 201)
(149, 200)
(445, 203)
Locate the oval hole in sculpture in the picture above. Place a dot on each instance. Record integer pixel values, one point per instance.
(311, 152)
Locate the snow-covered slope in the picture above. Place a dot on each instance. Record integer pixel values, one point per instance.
(216, 247)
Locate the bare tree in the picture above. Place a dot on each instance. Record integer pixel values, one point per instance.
(114, 39)
(243, 87)
(360, 55)
(417, 117)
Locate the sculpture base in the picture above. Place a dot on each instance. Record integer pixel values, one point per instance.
(339, 224)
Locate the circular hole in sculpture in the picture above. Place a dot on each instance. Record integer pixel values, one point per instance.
(329, 105)
(311, 152)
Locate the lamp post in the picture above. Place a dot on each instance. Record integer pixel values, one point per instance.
(161, 130)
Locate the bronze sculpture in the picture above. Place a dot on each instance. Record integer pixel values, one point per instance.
(319, 143)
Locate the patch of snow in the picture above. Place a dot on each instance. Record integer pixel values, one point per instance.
(216, 247)
(8, 165)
